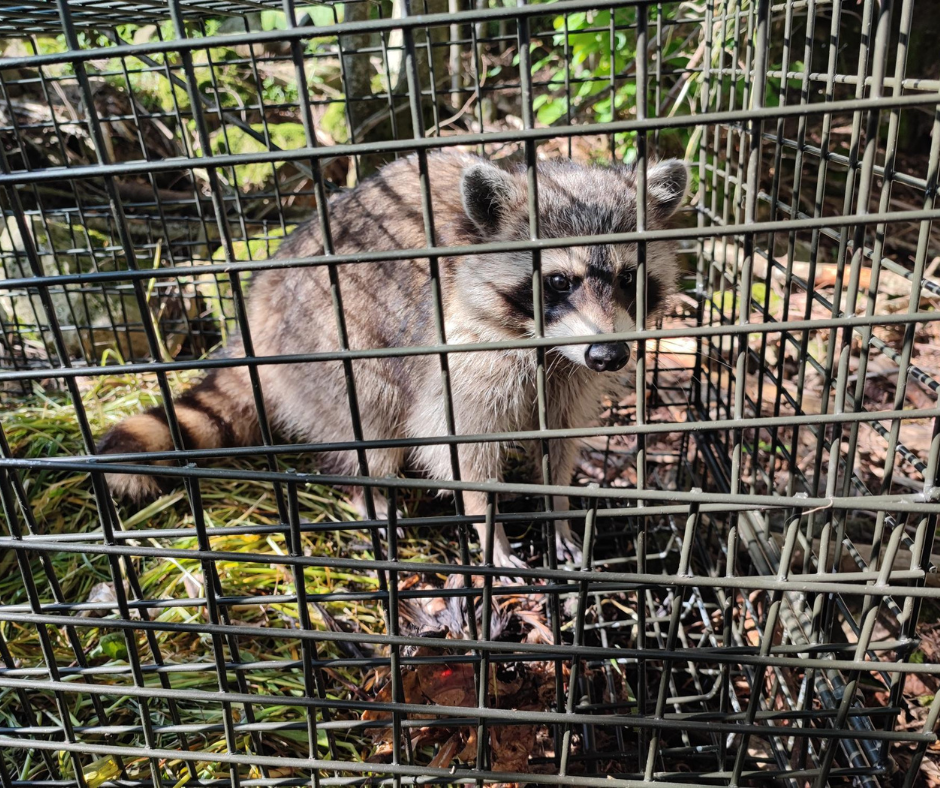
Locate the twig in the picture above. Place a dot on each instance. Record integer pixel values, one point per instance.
(435, 130)
(374, 120)
(684, 83)
(68, 105)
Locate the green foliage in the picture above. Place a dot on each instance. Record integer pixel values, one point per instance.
(49, 45)
(596, 55)
(317, 15)
(113, 646)
(775, 88)
(759, 295)
(549, 110)
(255, 248)
(254, 176)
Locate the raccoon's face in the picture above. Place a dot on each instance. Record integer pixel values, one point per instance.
(587, 290)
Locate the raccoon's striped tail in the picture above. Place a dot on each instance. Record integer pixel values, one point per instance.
(216, 413)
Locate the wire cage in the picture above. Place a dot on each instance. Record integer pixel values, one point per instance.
(740, 616)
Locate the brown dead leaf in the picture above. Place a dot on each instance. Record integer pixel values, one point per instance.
(408, 582)
(446, 754)
(930, 770)
(521, 686)
(449, 681)
(919, 686)
(511, 747)
(447, 685)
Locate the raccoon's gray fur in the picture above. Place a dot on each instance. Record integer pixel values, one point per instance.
(588, 290)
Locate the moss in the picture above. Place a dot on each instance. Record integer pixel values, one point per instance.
(256, 248)
(333, 122)
(255, 176)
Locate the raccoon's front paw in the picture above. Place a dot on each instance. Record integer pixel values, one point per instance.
(133, 488)
(507, 559)
(504, 557)
(567, 544)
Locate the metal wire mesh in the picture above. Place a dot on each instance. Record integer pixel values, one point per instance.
(741, 615)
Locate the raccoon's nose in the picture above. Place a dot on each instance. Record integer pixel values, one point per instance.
(607, 356)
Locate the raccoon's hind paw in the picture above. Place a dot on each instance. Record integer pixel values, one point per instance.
(135, 488)
(131, 437)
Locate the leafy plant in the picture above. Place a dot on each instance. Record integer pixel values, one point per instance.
(596, 55)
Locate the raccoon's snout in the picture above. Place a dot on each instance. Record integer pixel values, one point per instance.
(607, 356)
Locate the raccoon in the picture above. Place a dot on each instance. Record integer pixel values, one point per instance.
(588, 290)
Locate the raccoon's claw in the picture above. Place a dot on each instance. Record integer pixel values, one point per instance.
(358, 503)
(399, 532)
(567, 545)
(508, 560)
(569, 550)
(504, 557)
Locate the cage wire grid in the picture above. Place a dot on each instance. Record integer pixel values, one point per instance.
(741, 615)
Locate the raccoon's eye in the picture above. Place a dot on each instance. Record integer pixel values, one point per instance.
(626, 279)
(559, 283)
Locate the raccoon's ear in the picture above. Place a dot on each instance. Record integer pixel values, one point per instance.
(487, 193)
(666, 185)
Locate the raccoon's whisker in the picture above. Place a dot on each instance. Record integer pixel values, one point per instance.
(555, 362)
(692, 377)
(719, 361)
(688, 401)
